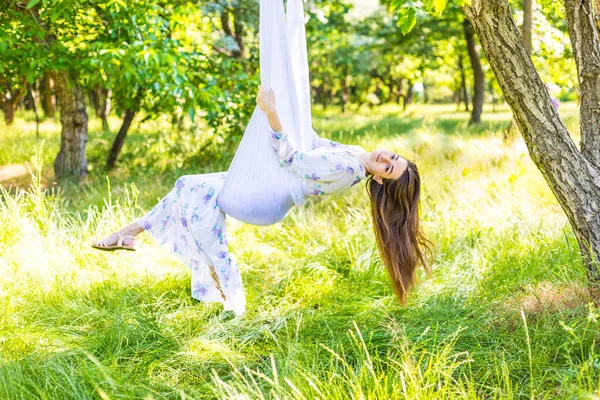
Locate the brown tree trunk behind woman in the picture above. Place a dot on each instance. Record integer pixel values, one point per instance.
(478, 75)
(71, 161)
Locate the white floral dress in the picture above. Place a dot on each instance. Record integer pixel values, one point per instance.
(188, 220)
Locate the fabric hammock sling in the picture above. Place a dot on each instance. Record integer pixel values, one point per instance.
(257, 190)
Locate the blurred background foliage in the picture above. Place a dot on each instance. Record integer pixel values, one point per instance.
(193, 65)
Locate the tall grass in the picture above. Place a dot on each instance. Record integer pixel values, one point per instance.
(504, 315)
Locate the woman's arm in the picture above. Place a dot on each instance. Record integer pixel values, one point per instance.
(266, 102)
(279, 140)
(323, 142)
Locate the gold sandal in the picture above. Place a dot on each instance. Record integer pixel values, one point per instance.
(101, 245)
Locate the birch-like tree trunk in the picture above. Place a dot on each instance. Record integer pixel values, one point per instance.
(573, 178)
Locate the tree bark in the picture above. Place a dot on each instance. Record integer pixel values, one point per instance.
(10, 100)
(47, 101)
(344, 95)
(526, 31)
(597, 14)
(586, 50)
(401, 94)
(409, 94)
(528, 9)
(103, 107)
(9, 112)
(572, 178)
(71, 161)
(35, 108)
(238, 27)
(392, 92)
(463, 81)
(120, 139)
(478, 75)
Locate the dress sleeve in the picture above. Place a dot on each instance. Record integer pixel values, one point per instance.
(323, 142)
(283, 146)
(325, 172)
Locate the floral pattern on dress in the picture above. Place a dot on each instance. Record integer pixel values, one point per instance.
(189, 222)
(331, 164)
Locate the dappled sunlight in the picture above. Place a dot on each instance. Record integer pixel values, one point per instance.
(314, 282)
(550, 297)
(12, 171)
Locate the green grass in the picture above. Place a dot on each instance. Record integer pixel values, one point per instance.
(504, 314)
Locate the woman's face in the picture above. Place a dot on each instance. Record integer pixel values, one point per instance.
(384, 164)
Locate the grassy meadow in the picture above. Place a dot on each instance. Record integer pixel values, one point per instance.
(504, 313)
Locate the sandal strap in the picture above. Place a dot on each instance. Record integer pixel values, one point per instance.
(122, 237)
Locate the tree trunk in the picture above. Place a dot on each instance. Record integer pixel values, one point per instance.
(9, 112)
(463, 82)
(226, 24)
(35, 109)
(28, 101)
(479, 76)
(526, 31)
(572, 178)
(392, 93)
(47, 101)
(103, 106)
(409, 94)
(586, 50)
(10, 100)
(71, 161)
(597, 14)
(238, 27)
(345, 92)
(400, 94)
(120, 139)
(528, 9)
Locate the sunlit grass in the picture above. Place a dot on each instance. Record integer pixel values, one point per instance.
(322, 321)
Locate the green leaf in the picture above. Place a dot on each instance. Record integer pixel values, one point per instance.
(32, 3)
(407, 21)
(439, 6)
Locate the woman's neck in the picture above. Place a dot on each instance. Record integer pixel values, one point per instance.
(363, 158)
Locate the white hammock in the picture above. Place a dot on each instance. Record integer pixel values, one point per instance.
(257, 190)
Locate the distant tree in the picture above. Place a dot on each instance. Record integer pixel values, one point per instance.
(479, 76)
(11, 93)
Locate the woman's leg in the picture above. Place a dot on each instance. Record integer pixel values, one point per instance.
(215, 277)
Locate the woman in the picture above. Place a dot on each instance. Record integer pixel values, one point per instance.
(188, 219)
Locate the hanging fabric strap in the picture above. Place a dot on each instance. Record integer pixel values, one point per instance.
(257, 190)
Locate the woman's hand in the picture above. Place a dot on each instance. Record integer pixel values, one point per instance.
(266, 100)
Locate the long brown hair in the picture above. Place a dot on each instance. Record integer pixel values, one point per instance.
(395, 210)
